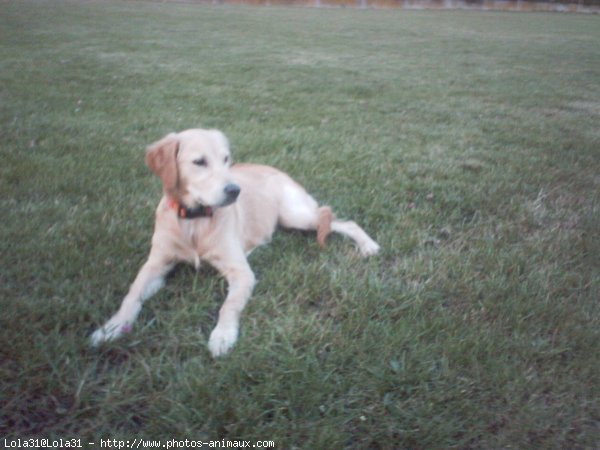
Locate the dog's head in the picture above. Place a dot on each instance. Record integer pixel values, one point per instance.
(194, 168)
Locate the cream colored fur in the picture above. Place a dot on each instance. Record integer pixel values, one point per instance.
(195, 168)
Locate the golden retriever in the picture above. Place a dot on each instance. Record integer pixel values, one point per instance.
(214, 211)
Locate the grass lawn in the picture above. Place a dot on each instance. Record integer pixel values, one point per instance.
(467, 144)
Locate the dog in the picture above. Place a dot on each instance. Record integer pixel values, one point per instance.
(214, 211)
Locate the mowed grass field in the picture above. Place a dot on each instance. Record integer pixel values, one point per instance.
(467, 144)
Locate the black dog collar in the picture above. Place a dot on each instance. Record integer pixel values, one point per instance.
(190, 213)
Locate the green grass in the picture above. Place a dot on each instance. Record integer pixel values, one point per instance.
(467, 144)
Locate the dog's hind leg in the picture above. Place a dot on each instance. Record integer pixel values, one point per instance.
(300, 211)
(148, 281)
(366, 245)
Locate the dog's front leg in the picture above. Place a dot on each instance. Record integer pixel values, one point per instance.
(148, 281)
(241, 282)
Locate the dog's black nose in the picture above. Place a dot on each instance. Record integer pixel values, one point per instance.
(232, 191)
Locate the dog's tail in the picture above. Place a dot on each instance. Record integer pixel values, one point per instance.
(325, 217)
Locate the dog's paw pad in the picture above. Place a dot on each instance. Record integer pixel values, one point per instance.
(126, 328)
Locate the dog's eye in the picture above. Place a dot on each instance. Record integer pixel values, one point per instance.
(200, 162)
(226, 160)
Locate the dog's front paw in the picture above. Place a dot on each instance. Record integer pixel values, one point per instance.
(222, 339)
(109, 332)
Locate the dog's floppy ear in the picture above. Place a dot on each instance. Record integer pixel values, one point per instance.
(161, 157)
